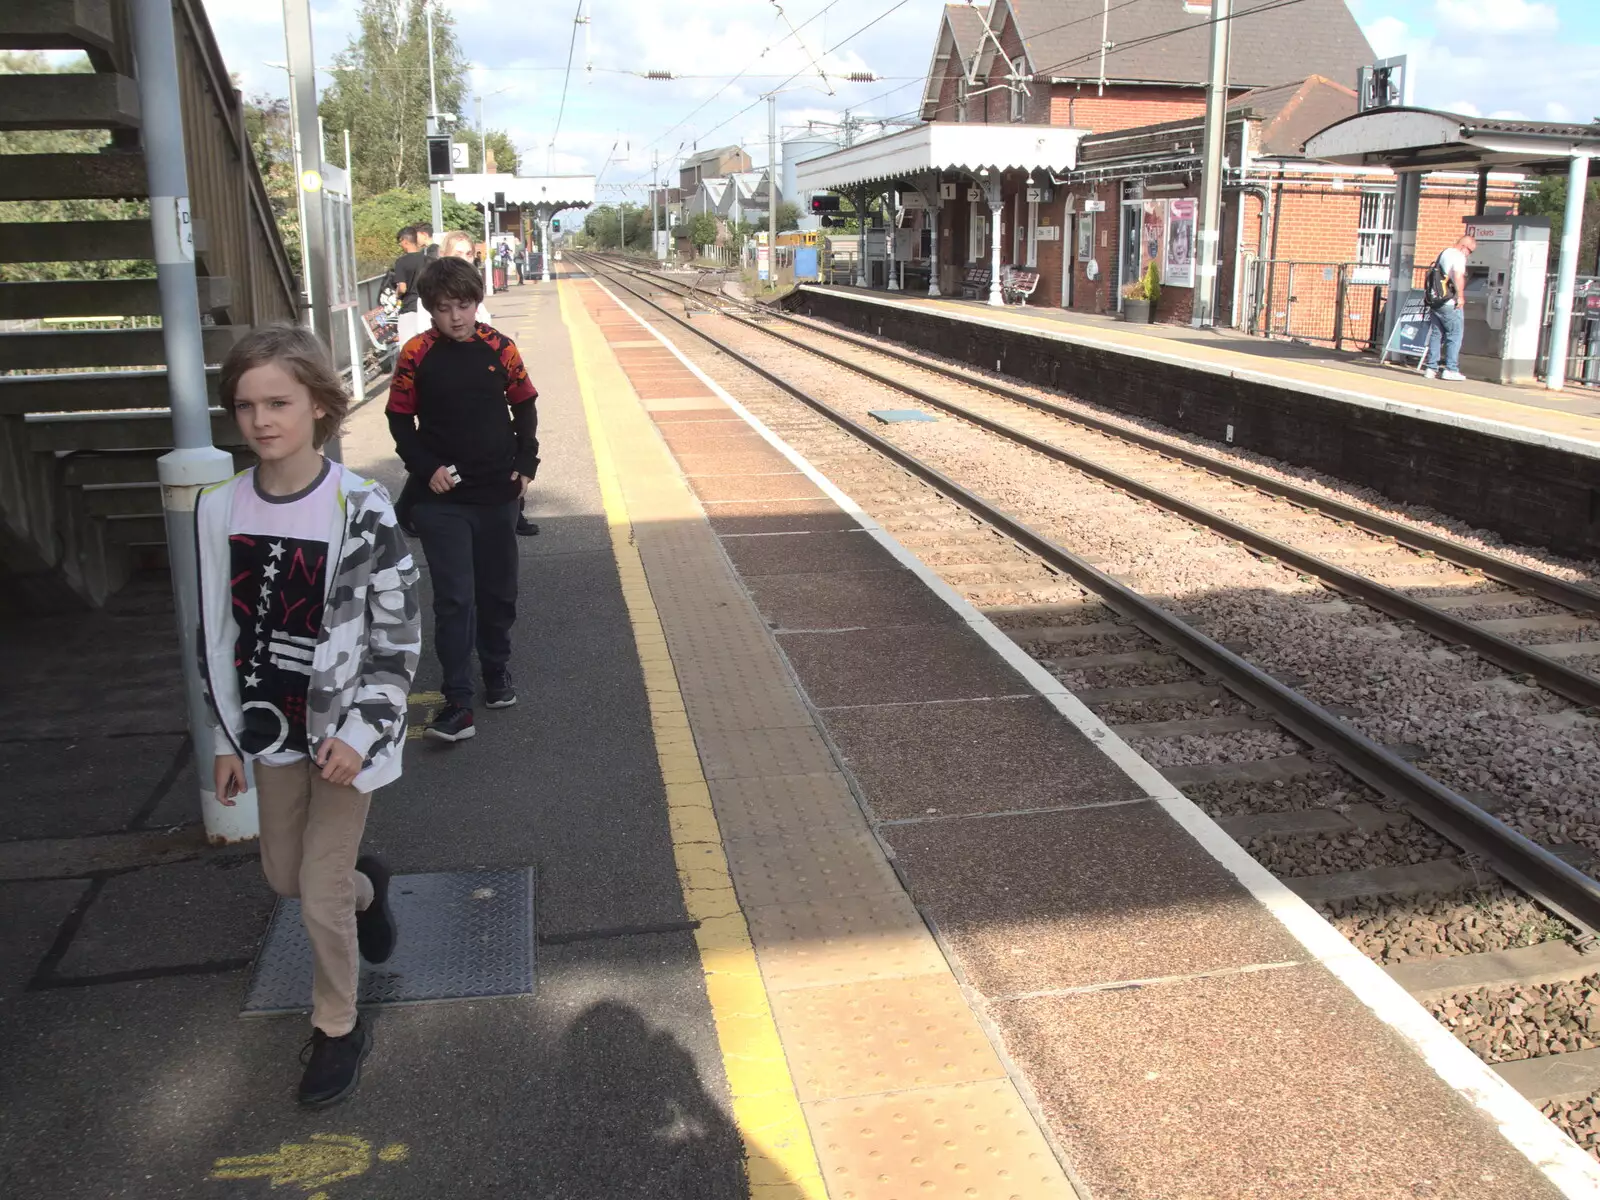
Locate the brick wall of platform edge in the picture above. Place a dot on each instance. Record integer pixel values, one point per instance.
(1536, 495)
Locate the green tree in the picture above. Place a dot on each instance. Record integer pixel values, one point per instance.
(379, 218)
(703, 229)
(788, 216)
(501, 150)
(380, 92)
(1551, 201)
(266, 120)
(24, 211)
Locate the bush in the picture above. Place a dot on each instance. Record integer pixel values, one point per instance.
(1146, 287)
(379, 218)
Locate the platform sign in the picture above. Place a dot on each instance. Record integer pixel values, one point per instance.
(763, 253)
(1410, 336)
(805, 263)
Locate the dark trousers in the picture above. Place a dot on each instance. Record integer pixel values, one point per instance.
(472, 561)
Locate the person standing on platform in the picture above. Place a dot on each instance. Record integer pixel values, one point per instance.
(310, 631)
(406, 269)
(465, 422)
(425, 242)
(1443, 293)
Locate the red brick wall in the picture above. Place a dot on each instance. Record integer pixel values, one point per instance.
(1082, 107)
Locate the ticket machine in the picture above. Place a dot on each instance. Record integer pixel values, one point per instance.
(1504, 304)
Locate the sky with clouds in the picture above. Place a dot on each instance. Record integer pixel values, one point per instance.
(1538, 59)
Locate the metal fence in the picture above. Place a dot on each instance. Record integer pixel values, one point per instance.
(1326, 303)
(1583, 334)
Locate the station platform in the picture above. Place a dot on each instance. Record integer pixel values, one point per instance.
(1573, 412)
(837, 893)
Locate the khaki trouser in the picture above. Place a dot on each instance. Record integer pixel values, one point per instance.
(310, 836)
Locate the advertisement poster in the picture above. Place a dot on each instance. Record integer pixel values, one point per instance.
(1152, 233)
(1085, 237)
(1178, 269)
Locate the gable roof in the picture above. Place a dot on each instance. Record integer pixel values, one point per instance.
(1291, 112)
(960, 37)
(1156, 41)
(705, 156)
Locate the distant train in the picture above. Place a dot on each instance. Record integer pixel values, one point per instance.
(800, 237)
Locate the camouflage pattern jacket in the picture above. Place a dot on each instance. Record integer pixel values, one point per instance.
(371, 634)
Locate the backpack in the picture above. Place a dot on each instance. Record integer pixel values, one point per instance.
(1437, 288)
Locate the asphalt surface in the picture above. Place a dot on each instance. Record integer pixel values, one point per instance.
(125, 1068)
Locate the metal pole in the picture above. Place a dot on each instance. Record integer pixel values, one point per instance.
(435, 189)
(861, 234)
(357, 354)
(1205, 281)
(655, 186)
(1402, 248)
(194, 463)
(314, 229)
(772, 190)
(483, 170)
(996, 206)
(544, 233)
(1555, 376)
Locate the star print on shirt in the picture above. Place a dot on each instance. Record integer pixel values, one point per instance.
(270, 571)
(276, 548)
(252, 680)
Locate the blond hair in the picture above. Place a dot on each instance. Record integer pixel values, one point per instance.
(301, 353)
(448, 243)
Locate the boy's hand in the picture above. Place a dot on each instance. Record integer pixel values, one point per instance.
(339, 762)
(227, 774)
(441, 481)
(522, 480)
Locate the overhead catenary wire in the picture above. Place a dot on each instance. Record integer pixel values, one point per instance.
(572, 44)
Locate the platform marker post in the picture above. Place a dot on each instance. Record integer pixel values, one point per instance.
(194, 463)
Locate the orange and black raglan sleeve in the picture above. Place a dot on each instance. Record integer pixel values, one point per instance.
(523, 398)
(402, 409)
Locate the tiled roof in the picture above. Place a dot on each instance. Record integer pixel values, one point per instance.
(1156, 41)
(966, 24)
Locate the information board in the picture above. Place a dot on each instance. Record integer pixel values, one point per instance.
(1410, 336)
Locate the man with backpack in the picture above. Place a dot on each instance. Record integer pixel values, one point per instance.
(1443, 292)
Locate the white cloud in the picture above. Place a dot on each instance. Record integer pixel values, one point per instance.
(1389, 35)
(1465, 107)
(1554, 110)
(1497, 16)
(1508, 114)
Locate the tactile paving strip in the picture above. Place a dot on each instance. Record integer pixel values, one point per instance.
(462, 935)
(973, 1140)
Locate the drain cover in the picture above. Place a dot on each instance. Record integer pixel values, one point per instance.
(463, 935)
(890, 416)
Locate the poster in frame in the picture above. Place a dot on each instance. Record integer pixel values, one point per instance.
(1177, 270)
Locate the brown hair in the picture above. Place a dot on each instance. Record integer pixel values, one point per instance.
(449, 279)
(301, 353)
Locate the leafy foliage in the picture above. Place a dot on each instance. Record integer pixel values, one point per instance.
(379, 218)
(266, 120)
(610, 227)
(1551, 201)
(703, 229)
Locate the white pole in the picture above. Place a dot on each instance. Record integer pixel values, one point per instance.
(1205, 280)
(357, 382)
(435, 190)
(996, 206)
(1555, 376)
(483, 170)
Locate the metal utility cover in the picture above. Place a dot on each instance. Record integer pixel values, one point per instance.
(891, 416)
(462, 935)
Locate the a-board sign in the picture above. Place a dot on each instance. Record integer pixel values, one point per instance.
(1410, 336)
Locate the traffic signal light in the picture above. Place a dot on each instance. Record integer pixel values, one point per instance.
(825, 204)
(555, 225)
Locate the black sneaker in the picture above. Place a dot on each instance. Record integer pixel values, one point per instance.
(498, 690)
(375, 928)
(526, 528)
(452, 723)
(333, 1065)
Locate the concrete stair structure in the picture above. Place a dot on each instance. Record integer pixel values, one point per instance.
(83, 387)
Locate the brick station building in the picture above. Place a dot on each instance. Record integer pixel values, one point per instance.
(1090, 218)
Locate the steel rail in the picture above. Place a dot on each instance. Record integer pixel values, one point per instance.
(1576, 686)
(1555, 884)
(1538, 583)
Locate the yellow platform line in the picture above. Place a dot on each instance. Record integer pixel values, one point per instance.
(780, 1157)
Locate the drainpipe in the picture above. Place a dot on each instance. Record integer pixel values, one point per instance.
(194, 463)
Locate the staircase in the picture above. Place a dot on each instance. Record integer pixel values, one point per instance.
(83, 393)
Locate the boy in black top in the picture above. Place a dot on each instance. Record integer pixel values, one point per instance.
(462, 412)
(406, 270)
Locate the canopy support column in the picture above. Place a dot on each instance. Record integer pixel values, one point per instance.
(996, 207)
(1402, 247)
(1555, 375)
(935, 216)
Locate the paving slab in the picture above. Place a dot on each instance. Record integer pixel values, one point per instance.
(758, 753)
(756, 806)
(830, 862)
(1271, 1084)
(809, 553)
(850, 940)
(1081, 898)
(744, 517)
(897, 666)
(712, 412)
(783, 486)
(979, 756)
(846, 600)
(734, 461)
(856, 1039)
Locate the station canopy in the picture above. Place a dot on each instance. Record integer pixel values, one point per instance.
(942, 146)
(552, 192)
(1423, 139)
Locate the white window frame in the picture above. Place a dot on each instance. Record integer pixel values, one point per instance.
(977, 233)
(1018, 97)
(1033, 233)
(1374, 234)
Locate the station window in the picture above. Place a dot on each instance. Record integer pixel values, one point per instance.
(977, 234)
(1018, 99)
(1375, 232)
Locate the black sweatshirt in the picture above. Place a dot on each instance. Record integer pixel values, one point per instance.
(469, 405)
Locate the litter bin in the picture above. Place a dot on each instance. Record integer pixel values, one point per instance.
(499, 279)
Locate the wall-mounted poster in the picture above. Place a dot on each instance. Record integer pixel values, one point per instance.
(1178, 269)
(1085, 237)
(1152, 233)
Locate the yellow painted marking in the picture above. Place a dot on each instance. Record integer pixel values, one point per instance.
(322, 1160)
(781, 1160)
(416, 699)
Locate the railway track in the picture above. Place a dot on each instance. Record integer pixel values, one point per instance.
(1406, 864)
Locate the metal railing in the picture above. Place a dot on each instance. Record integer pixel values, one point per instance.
(225, 184)
(1583, 334)
(1326, 303)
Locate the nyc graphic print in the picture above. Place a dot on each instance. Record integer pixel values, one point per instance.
(278, 588)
